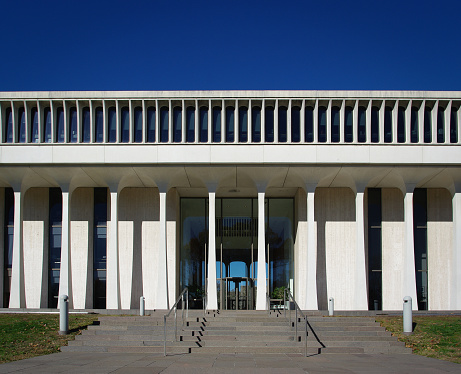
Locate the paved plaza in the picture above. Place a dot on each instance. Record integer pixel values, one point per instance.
(133, 363)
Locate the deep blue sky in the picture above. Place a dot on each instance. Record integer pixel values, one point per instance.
(206, 45)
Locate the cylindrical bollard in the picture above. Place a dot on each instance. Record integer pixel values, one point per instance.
(376, 305)
(407, 316)
(63, 315)
(142, 309)
(331, 306)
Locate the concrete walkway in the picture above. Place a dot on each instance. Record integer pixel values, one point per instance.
(132, 363)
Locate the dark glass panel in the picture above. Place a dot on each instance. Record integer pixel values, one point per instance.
(420, 243)
(22, 125)
(9, 126)
(374, 125)
(374, 249)
(440, 125)
(177, 124)
(348, 124)
(99, 125)
(454, 126)
(230, 124)
(269, 124)
(47, 127)
(151, 124)
(125, 125)
(387, 125)
(55, 229)
(309, 124)
(8, 245)
(112, 125)
(73, 125)
(203, 124)
(138, 125)
(256, 124)
(322, 125)
(427, 125)
(194, 237)
(100, 248)
(243, 124)
(282, 125)
(34, 138)
(414, 125)
(401, 125)
(216, 124)
(280, 216)
(335, 124)
(190, 124)
(86, 130)
(295, 124)
(164, 123)
(362, 125)
(60, 125)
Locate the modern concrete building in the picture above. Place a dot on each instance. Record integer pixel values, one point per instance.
(107, 196)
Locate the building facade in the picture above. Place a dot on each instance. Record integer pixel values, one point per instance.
(109, 196)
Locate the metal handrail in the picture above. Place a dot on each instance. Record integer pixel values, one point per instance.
(175, 307)
(290, 299)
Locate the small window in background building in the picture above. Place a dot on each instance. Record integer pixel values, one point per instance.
(348, 124)
(387, 125)
(362, 125)
(190, 124)
(112, 125)
(427, 125)
(164, 123)
(335, 124)
(22, 125)
(203, 124)
(230, 124)
(454, 125)
(34, 138)
(60, 125)
(374, 125)
(151, 113)
(295, 124)
(401, 125)
(282, 125)
(177, 124)
(47, 127)
(269, 124)
(73, 125)
(125, 125)
(414, 130)
(309, 124)
(441, 125)
(216, 124)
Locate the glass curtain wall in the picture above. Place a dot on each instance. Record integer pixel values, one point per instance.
(55, 229)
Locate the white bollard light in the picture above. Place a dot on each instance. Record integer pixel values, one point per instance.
(407, 316)
(331, 306)
(142, 309)
(63, 315)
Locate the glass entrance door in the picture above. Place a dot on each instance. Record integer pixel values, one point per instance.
(236, 255)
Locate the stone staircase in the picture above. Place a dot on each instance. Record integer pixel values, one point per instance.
(237, 332)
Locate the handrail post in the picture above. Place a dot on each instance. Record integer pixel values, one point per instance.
(305, 337)
(284, 302)
(175, 321)
(164, 335)
(296, 323)
(182, 309)
(187, 303)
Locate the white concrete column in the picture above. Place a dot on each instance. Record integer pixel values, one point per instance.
(456, 264)
(261, 290)
(113, 286)
(65, 284)
(311, 291)
(17, 294)
(409, 276)
(161, 294)
(360, 286)
(212, 292)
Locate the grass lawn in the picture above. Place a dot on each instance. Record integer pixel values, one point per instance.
(433, 336)
(28, 335)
